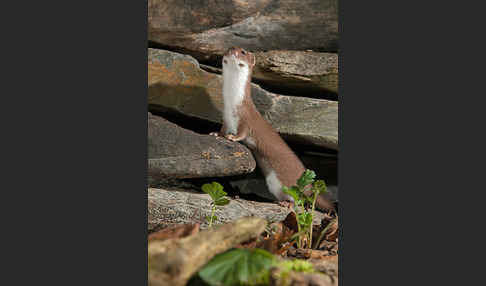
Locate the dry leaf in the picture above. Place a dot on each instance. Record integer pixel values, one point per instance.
(291, 222)
(301, 253)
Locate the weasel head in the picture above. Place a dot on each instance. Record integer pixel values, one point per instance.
(237, 60)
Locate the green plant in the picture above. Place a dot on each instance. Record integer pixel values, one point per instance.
(238, 267)
(297, 265)
(248, 267)
(304, 206)
(294, 265)
(215, 191)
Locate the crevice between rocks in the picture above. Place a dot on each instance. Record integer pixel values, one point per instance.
(202, 126)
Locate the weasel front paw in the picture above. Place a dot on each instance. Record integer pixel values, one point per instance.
(231, 137)
(214, 134)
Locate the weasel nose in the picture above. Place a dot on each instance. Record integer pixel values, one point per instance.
(233, 52)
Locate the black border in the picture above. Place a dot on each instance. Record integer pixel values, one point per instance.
(74, 136)
(74, 128)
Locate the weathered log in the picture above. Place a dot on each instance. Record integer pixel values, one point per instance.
(177, 84)
(205, 29)
(178, 206)
(175, 152)
(172, 262)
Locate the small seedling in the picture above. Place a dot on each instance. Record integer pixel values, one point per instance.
(215, 191)
(303, 203)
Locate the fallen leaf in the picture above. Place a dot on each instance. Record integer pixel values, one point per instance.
(277, 242)
(291, 222)
(332, 231)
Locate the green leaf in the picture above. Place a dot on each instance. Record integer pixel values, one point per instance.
(294, 192)
(306, 178)
(238, 267)
(222, 202)
(215, 190)
(297, 265)
(304, 219)
(208, 218)
(319, 186)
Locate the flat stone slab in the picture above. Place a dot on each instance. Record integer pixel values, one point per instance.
(206, 29)
(298, 70)
(175, 152)
(177, 84)
(177, 206)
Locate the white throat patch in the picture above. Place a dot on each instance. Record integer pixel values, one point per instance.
(234, 81)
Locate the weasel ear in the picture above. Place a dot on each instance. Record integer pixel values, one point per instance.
(252, 60)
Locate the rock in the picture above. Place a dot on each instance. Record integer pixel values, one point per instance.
(174, 152)
(206, 29)
(177, 206)
(297, 71)
(178, 84)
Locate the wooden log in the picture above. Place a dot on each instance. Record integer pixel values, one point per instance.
(172, 262)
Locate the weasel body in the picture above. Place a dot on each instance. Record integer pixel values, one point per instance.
(243, 122)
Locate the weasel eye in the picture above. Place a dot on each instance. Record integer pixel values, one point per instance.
(241, 65)
(243, 52)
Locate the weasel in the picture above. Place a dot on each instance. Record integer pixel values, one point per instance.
(242, 122)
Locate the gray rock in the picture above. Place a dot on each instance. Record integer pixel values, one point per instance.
(175, 152)
(177, 206)
(298, 71)
(177, 84)
(206, 29)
